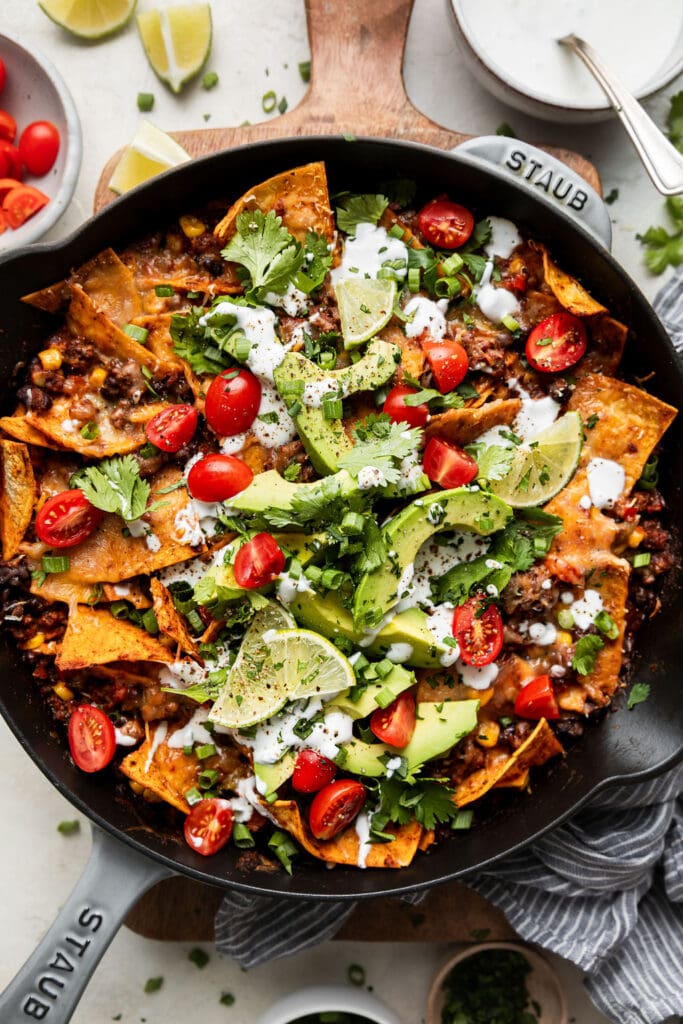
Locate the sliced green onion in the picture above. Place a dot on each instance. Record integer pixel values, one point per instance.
(447, 287)
(242, 347)
(120, 610)
(291, 389)
(642, 559)
(207, 778)
(462, 821)
(164, 291)
(136, 333)
(242, 837)
(90, 431)
(385, 697)
(305, 70)
(145, 102)
(195, 620)
(332, 579)
(387, 274)
(352, 524)
(268, 102)
(210, 80)
(206, 750)
(149, 621)
(153, 985)
(295, 408)
(396, 231)
(193, 796)
(193, 296)
(356, 975)
(55, 563)
(327, 359)
(313, 573)
(69, 828)
(452, 265)
(565, 618)
(284, 849)
(510, 323)
(384, 667)
(333, 408)
(282, 105)
(188, 750)
(414, 279)
(606, 624)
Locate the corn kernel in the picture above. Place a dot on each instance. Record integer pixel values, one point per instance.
(98, 377)
(36, 641)
(483, 696)
(137, 787)
(637, 537)
(192, 226)
(487, 734)
(563, 637)
(50, 358)
(63, 691)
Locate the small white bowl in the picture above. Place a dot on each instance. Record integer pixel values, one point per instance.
(35, 91)
(322, 999)
(542, 982)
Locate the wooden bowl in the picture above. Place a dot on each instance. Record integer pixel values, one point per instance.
(543, 984)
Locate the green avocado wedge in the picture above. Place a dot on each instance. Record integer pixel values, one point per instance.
(404, 535)
(269, 491)
(387, 689)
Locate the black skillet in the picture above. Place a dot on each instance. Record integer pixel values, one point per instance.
(127, 859)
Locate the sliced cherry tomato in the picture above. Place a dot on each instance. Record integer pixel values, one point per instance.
(395, 724)
(556, 343)
(3, 223)
(21, 203)
(312, 771)
(208, 826)
(335, 807)
(445, 224)
(537, 700)
(171, 428)
(395, 407)
(39, 146)
(479, 632)
(258, 562)
(7, 184)
(66, 519)
(218, 477)
(8, 126)
(519, 282)
(3, 74)
(448, 361)
(232, 402)
(91, 738)
(448, 465)
(11, 159)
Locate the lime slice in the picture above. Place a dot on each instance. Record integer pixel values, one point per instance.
(311, 665)
(256, 687)
(177, 41)
(540, 469)
(151, 152)
(89, 19)
(365, 307)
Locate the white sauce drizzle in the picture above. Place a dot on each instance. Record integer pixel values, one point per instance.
(159, 737)
(288, 587)
(426, 316)
(276, 736)
(478, 678)
(495, 303)
(586, 609)
(504, 238)
(293, 301)
(193, 732)
(123, 740)
(362, 827)
(606, 482)
(543, 633)
(365, 253)
(399, 653)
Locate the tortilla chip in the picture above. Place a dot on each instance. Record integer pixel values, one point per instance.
(17, 495)
(567, 290)
(514, 778)
(159, 342)
(57, 425)
(538, 748)
(299, 196)
(344, 848)
(610, 578)
(462, 426)
(56, 589)
(605, 348)
(412, 355)
(85, 320)
(163, 770)
(94, 637)
(171, 623)
(111, 286)
(20, 429)
(51, 299)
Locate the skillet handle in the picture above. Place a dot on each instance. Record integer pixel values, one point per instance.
(546, 177)
(51, 982)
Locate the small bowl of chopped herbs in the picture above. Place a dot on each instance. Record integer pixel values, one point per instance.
(501, 982)
(329, 1004)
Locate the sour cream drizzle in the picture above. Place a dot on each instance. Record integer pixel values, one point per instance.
(366, 251)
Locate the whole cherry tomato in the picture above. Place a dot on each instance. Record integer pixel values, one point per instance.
(172, 428)
(395, 407)
(66, 519)
(312, 771)
(448, 465)
(218, 477)
(448, 362)
(208, 826)
(92, 738)
(258, 562)
(537, 700)
(21, 203)
(8, 126)
(445, 224)
(479, 632)
(232, 402)
(556, 343)
(335, 807)
(39, 146)
(395, 724)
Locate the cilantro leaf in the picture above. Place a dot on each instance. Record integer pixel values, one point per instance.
(381, 444)
(115, 485)
(355, 210)
(662, 249)
(493, 460)
(585, 653)
(639, 691)
(675, 120)
(427, 801)
(317, 260)
(196, 344)
(269, 254)
(315, 505)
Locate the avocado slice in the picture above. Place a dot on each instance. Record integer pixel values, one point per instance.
(274, 775)
(438, 728)
(378, 591)
(269, 491)
(398, 680)
(302, 545)
(326, 440)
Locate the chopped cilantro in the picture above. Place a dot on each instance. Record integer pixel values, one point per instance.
(639, 693)
(115, 485)
(210, 80)
(505, 129)
(585, 653)
(284, 849)
(270, 256)
(425, 800)
(381, 445)
(198, 957)
(355, 210)
(69, 828)
(317, 260)
(153, 985)
(305, 70)
(612, 196)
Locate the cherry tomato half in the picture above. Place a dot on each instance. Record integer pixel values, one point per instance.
(3, 223)
(395, 407)
(8, 126)
(232, 402)
(312, 771)
(258, 562)
(537, 700)
(445, 224)
(208, 826)
(66, 519)
(39, 146)
(21, 203)
(10, 160)
(556, 343)
(448, 465)
(3, 74)
(395, 724)
(7, 184)
(92, 739)
(171, 428)
(335, 807)
(448, 362)
(479, 633)
(217, 477)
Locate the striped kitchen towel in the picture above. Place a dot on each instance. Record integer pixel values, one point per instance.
(604, 890)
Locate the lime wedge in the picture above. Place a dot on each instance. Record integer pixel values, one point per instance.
(177, 41)
(540, 469)
(151, 152)
(256, 687)
(365, 307)
(89, 19)
(311, 665)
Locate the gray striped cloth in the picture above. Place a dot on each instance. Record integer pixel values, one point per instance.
(604, 890)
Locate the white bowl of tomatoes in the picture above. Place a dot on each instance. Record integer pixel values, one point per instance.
(40, 144)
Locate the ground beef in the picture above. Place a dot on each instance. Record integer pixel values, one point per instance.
(34, 398)
(206, 250)
(288, 325)
(174, 386)
(15, 580)
(124, 380)
(485, 349)
(561, 390)
(294, 451)
(78, 354)
(525, 592)
(325, 318)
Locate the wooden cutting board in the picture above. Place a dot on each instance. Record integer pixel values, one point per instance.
(356, 87)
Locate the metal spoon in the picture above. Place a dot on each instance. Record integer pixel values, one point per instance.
(661, 160)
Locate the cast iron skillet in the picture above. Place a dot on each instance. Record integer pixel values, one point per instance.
(626, 746)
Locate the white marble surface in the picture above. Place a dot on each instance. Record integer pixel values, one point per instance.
(39, 866)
